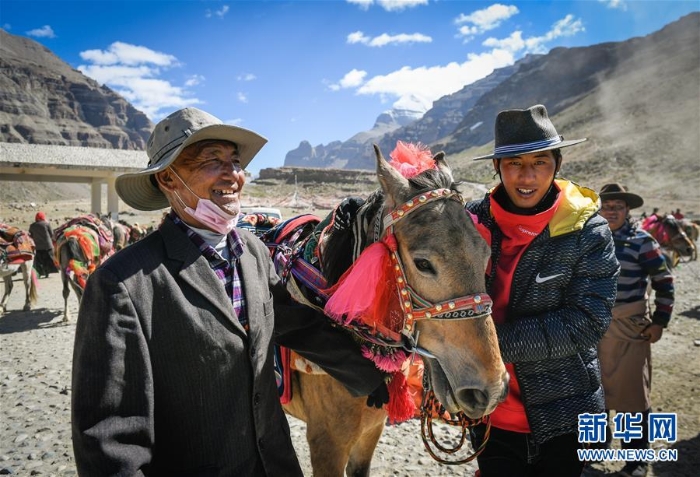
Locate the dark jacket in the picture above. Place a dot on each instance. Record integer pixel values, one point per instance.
(165, 381)
(553, 327)
(42, 235)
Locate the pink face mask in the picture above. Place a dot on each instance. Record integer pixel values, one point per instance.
(208, 213)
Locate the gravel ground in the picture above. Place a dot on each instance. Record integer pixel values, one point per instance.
(35, 367)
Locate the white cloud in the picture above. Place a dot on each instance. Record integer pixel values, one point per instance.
(567, 26)
(352, 79)
(126, 54)
(388, 5)
(234, 122)
(44, 32)
(363, 4)
(398, 5)
(7, 26)
(221, 13)
(432, 82)
(621, 4)
(134, 72)
(385, 39)
(242, 97)
(194, 80)
(513, 43)
(246, 77)
(484, 20)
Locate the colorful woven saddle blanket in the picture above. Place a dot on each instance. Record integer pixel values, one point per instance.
(293, 246)
(258, 223)
(16, 244)
(79, 268)
(286, 240)
(103, 233)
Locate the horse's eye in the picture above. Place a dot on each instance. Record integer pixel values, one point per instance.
(423, 265)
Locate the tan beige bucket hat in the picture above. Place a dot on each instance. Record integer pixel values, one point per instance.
(170, 136)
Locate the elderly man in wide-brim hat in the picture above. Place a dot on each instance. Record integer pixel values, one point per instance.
(625, 350)
(173, 363)
(552, 278)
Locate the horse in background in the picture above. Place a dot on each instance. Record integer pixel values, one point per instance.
(417, 227)
(120, 232)
(692, 230)
(82, 244)
(136, 232)
(17, 255)
(673, 240)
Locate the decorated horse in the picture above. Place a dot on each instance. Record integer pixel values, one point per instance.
(136, 232)
(692, 230)
(673, 240)
(403, 271)
(82, 244)
(17, 256)
(120, 232)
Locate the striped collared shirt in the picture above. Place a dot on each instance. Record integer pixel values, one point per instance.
(226, 271)
(641, 260)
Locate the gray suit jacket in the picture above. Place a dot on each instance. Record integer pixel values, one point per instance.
(165, 380)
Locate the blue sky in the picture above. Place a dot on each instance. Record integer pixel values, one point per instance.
(312, 70)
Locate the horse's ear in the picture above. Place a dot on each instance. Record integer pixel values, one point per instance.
(395, 185)
(442, 164)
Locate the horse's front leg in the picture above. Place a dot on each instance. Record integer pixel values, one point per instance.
(66, 293)
(333, 425)
(6, 296)
(27, 279)
(362, 452)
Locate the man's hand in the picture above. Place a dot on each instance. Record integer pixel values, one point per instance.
(379, 396)
(653, 333)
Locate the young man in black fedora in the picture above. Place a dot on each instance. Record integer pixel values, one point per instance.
(625, 350)
(552, 277)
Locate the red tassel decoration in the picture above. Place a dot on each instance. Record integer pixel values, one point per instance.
(364, 291)
(400, 406)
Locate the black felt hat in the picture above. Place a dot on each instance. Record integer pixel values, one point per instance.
(524, 131)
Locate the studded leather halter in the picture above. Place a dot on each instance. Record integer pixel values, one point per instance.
(413, 306)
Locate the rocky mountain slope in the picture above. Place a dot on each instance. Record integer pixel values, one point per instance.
(352, 154)
(45, 101)
(444, 116)
(638, 102)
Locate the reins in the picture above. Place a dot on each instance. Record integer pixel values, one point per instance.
(430, 407)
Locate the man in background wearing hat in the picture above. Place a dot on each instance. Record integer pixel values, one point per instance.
(625, 350)
(42, 235)
(173, 361)
(552, 277)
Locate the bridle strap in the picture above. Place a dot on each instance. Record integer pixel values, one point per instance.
(413, 306)
(466, 307)
(401, 211)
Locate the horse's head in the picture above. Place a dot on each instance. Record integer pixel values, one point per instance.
(677, 238)
(444, 257)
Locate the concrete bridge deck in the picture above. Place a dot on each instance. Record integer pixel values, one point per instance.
(94, 166)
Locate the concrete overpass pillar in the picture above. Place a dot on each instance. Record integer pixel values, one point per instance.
(112, 198)
(96, 197)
